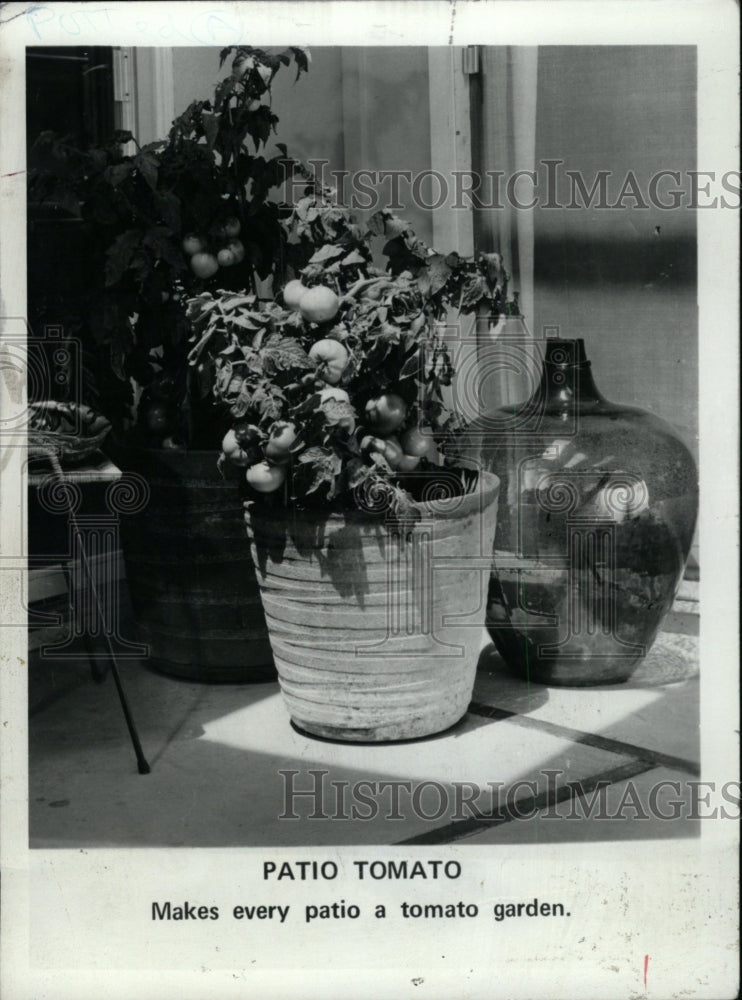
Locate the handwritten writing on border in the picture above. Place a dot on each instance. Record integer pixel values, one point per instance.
(217, 26)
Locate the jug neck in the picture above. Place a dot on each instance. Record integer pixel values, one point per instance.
(566, 377)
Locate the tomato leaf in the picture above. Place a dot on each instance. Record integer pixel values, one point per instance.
(434, 276)
(168, 205)
(148, 166)
(302, 57)
(211, 121)
(395, 227)
(473, 292)
(120, 254)
(377, 223)
(118, 173)
(285, 353)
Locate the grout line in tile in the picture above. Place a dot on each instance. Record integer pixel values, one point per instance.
(460, 829)
(623, 749)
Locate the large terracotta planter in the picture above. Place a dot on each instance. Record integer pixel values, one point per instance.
(192, 583)
(376, 627)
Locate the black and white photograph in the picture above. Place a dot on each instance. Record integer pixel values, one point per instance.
(368, 421)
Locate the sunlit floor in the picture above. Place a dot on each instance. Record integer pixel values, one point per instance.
(523, 766)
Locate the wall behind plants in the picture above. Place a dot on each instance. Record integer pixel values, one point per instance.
(359, 108)
(625, 278)
(309, 110)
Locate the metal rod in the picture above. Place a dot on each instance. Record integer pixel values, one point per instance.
(142, 764)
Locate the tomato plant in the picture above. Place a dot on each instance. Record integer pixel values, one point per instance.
(344, 372)
(188, 213)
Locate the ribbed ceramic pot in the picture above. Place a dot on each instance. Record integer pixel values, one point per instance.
(596, 516)
(375, 626)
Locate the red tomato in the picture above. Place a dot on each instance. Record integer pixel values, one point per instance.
(234, 452)
(231, 227)
(281, 439)
(247, 434)
(417, 441)
(370, 443)
(408, 462)
(392, 452)
(158, 418)
(386, 413)
(238, 249)
(225, 257)
(204, 265)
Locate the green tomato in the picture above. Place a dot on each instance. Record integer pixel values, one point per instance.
(331, 359)
(319, 304)
(293, 293)
(266, 478)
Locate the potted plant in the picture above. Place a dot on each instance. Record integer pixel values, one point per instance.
(372, 553)
(163, 222)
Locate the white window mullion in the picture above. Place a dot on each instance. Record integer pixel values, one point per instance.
(151, 109)
(124, 93)
(450, 144)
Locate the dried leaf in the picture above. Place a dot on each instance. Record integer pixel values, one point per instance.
(324, 466)
(354, 257)
(336, 412)
(412, 366)
(327, 252)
